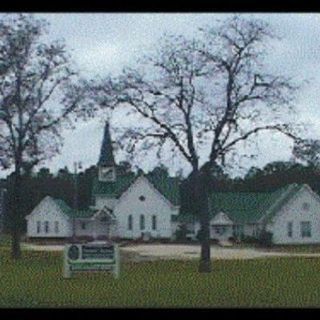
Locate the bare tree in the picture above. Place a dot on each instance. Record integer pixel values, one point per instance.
(32, 112)
(199, 98)
(308, 150)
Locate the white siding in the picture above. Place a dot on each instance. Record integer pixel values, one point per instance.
(221, 219)
(154, 204)
(293, 211)
(213, 232)
(47, 210)
(93, 228)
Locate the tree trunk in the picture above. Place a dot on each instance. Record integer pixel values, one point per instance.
(201, 201)
(16, 223)
(15, 244)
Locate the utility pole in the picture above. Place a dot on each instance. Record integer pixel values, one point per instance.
(77, 165)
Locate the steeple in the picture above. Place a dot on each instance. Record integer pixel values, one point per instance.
(106, 163)
(106, 158)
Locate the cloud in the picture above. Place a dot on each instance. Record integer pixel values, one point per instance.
(103, 43)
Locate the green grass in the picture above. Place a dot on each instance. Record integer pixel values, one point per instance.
(5, 240)
(36, 281)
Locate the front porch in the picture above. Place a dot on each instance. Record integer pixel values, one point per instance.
(221, 232)
(101, 226)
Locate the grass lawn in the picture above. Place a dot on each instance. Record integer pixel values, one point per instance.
(36, 281)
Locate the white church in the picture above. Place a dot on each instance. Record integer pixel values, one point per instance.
(125, 206)
(143, 206)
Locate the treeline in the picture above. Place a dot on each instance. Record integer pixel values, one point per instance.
(273, 176)
(37, 185)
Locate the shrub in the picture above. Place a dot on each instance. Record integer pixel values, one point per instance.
(214, 241)
(85, 238)
(102, 237)
(181, 233)
(199, 235)
(265, 238)
(249, 239)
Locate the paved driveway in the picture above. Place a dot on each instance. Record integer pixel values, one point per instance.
(190, 252)
(174, 251)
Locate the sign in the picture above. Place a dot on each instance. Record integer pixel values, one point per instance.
(91, 257)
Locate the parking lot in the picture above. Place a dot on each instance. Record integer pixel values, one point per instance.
(139, 252)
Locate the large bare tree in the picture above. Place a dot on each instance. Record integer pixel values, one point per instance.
(33, 104)
(199, 98)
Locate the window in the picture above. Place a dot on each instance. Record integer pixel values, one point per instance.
(154, 222)
(46, 226)
(83, 226)
(289, 228)
(142, 198)
(56, 226)
(305, 229)
(220, 230)
(142, 222)
(38, 226)
(130, 222)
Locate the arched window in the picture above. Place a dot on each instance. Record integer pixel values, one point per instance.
(130, 222)
(142, 222)
(154, 222)
(56, 226)
(46, 226)
(38, 226)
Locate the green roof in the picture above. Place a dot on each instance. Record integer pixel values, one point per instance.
(247, 207)
(72, 213)
(167, 186)
(113, 189)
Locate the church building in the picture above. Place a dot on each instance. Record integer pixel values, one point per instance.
(144, 206)
(126, 206)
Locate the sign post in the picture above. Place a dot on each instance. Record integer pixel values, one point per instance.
(91, 257)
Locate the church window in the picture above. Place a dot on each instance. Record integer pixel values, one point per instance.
(305, 229)
(154, 222)
(46, 226)
(83, 225)
(56, 226)
(142, 222)
(38, 226)
(290, 227)
(142, 198)
(130, 222)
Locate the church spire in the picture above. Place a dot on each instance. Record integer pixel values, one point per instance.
(106, 158)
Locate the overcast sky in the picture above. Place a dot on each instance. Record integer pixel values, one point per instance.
(104, 43)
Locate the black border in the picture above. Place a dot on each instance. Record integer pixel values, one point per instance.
(159, 6)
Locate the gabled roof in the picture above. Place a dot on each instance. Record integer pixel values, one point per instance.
(168, 186)
(248, 207)
(72, 213)
(106, 153)
(113, 188)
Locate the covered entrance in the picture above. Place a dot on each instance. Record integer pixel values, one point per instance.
(221, 227)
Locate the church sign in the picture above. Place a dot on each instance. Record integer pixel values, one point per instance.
(91, 257)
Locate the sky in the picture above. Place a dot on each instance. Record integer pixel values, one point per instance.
(104, 43)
